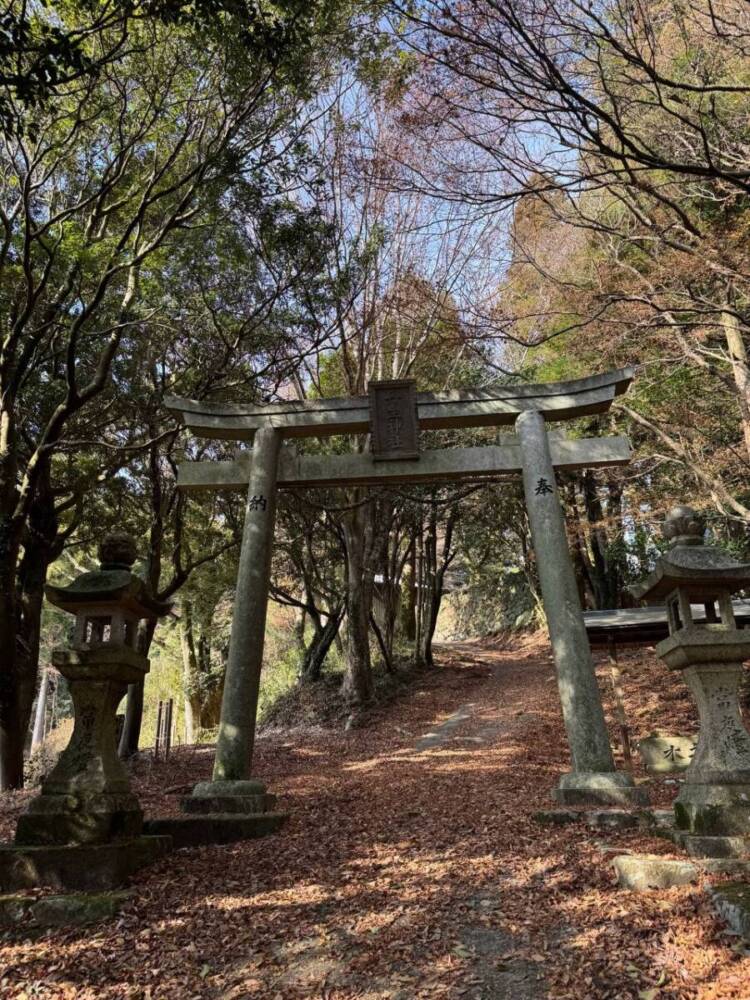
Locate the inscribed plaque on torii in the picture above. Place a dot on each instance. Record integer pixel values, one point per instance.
(394, 428)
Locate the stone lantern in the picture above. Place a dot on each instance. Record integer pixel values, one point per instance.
(86, 803)
(712, 810)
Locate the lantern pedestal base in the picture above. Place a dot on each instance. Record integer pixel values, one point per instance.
(89, 867)
(713, 809)
(80, 819)
(599, 788)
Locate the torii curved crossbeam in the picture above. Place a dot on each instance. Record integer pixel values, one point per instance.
(435, 410)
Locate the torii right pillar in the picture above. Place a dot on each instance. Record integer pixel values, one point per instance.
(593, 779)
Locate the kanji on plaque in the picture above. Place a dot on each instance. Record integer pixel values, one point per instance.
(393, 420)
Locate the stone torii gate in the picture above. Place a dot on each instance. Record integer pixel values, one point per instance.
(393, 414)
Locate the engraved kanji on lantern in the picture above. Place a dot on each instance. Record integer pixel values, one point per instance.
(712, 811)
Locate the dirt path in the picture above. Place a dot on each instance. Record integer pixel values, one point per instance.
(411, 867)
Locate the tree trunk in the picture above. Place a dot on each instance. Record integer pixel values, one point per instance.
(387, 543)
(11, 731)
(20, 627)
(131, 730)
(316, 652)
(40, 716)
(300, 623)
(428, 583)
(433, 578)
(582, 567)
(385, 649)
(212, 693)
(409, 605)
(32, 577)
(604, 568)
(189, 671)
(740, 370)
(357, 686)
(419, 587)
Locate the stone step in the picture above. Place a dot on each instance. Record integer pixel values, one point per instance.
(724, 866)
(609, 819)
(714, 847)
(215, 828)
(649, 871)
(88, 867)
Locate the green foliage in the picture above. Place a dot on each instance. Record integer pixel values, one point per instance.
(278, 679)
(43, 50)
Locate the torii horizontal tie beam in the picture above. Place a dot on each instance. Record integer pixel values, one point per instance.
(450, 465)
(435, 410)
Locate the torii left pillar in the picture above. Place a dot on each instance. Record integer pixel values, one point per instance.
(239, 707)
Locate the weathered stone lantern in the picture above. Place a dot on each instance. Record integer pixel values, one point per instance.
(84, 829)
(712, 811)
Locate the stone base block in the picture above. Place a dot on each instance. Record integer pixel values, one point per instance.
(713, 810)
(663, 819)
(732, 902)
(648, 871)
(60, 911)
(714, 847)
(245, 804)
(80, 819)
(244, 788)
(89, 867)
(736, 867)
(610, 819)
(613, 819)
(605, 788)
(215, 828)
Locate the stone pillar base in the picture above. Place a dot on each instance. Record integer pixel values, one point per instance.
(599, 788)
(246, 786)
(221, 812)
(248, 796)
(244, 804)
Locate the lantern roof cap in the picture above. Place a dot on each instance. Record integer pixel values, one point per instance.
(113, 583)
(703, 570)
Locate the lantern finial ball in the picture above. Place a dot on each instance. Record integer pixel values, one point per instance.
(684, 526)
(117, 550)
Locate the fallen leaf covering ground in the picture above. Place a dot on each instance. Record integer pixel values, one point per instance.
(410, 867)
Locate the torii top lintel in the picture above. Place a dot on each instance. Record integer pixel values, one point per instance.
(436, 410)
